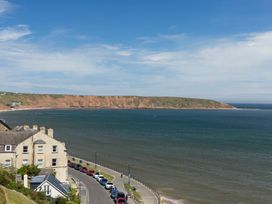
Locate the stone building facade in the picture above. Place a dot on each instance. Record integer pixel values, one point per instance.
(24, 145)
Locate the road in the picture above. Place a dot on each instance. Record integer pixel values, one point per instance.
(96, 193)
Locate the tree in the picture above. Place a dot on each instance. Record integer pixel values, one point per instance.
(30, 170)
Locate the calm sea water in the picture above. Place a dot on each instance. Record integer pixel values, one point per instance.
(204, 157)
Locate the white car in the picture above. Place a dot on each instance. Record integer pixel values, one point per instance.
(109, 186)
(96, 175)
(100, 177)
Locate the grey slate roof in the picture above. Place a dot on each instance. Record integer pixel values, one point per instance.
(5, 124)
(15, 137)
(64, 189)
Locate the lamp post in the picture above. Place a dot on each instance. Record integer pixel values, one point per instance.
(129, 168)
(95, 159)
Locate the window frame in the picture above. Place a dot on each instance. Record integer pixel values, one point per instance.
(40, 165)
(40, 150)
(24, 164)
(56, 148)
(10, 148)
(52, 162)
(25, 152)
(9, 164)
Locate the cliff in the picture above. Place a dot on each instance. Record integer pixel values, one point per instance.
(19, 100)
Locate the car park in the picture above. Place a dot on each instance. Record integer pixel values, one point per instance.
(103, 181)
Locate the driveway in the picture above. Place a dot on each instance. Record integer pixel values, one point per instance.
(96, 194)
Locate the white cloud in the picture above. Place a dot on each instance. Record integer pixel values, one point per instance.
(4, 6)
(162, 37)
(227, 69)
(14, 33)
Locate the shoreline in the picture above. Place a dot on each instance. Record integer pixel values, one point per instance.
(111, 108)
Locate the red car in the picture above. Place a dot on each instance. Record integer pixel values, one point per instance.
(121, 201)
(90, 172)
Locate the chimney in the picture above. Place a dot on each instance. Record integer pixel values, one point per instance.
(50, 132)
(25, 181)
(26, 127)
(42, 130)
(35, 127)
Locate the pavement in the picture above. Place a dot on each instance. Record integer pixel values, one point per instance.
(91, 191)
(146, 193)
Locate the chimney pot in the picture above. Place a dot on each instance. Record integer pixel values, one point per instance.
(42, 130)
(50, 132)
(35, 127)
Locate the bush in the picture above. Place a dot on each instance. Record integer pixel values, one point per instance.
(6, 178)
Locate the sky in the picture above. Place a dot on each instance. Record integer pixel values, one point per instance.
(215, 49)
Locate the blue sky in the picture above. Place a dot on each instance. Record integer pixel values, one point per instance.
(203, 49)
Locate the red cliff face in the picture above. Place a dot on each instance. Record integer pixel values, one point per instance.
(122, 102)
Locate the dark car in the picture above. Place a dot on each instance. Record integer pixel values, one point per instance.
(119, 196)
(114, 193)
(90, 172)
(83, 170)
(71, 164)
(77, 167)
(103, 181)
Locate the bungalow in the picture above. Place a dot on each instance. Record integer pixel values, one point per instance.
(50, 185)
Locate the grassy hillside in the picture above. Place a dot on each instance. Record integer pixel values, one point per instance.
(8, 196)
(77, 101)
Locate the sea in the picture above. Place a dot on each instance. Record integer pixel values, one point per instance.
(195, 156)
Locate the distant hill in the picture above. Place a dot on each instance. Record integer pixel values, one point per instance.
(20, 100)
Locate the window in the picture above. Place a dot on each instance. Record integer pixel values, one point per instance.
(25, 149)
(54, 162)
(25, 162)
(46, 189)
(40, 163)
(8, 163)
(54, 148)
(8, 148)
(40, 149)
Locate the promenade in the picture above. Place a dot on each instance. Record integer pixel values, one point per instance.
(147, 195)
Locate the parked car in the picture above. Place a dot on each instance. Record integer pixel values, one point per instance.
(100, 177)
(103, 181)
(83, 170)
(77, 167)
(90, 172)
(109, 186)
(96, 174)
(121, 201)
(114, 193)
(119, 196)
(71, 164)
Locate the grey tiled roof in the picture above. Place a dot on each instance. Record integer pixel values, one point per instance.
(15, 137)
(52, 180)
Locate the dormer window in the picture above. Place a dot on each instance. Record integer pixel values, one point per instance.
(8, 148)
